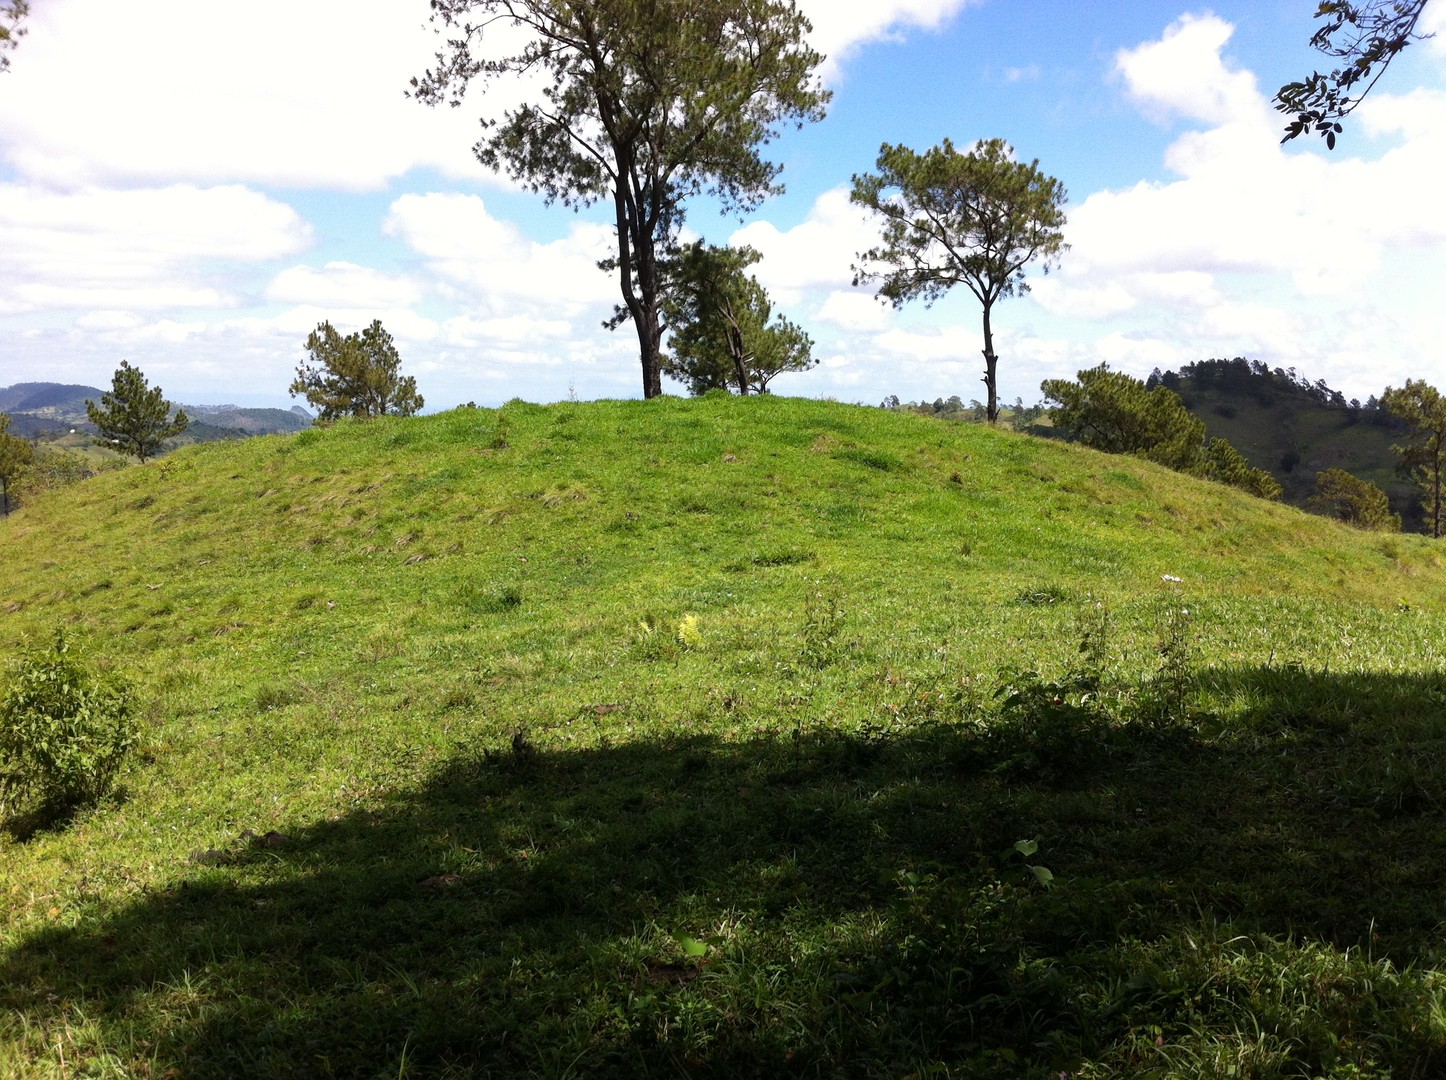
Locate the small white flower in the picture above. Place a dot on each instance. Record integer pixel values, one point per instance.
(1169, 577)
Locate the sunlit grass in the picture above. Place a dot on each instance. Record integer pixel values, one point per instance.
(459, 730)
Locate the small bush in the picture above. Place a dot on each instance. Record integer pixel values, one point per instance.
(63, 731)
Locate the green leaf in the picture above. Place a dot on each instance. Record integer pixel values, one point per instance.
(1026, 847)
(1042, 875)
(691, 947)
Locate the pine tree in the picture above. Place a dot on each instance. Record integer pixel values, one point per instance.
(134, 417)
(356, 375)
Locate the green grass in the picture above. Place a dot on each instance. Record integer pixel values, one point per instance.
(700, 737)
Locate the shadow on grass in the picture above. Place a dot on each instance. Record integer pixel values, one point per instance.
(845, 906)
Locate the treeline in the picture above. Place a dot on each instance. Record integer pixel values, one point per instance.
(1267, 386)
(1019, 415)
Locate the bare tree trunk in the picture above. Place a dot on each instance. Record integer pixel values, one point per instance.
(635, 251)
(991, 362)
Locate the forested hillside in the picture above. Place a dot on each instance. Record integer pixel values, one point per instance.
(1294, 428)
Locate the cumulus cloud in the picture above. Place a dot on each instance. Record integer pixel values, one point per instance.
(854, 311)
(146, 249)
(1242, 203)
(343, 285)
(1183, 74)
(841, 26)
(481, 260)
(815, 254)
(176, 96)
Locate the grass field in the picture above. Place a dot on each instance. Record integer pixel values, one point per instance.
(728, 737)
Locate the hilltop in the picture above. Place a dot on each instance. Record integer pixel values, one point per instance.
(728, 737)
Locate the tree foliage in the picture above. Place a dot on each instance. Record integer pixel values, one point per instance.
(722, 329)
(356, 375)
(12, 14)
(1221, 462)
(1357, 502)
(644, 102)
(15, 457)
(64, 731)
(1422, 409)
(1119, 414)
(134, 417)
(1116, 413)
(976, 218)
(1367, 37)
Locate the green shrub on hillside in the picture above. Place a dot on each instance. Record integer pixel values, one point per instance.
(1353, 500)
(1224, 464)
(55, 468)
(63, 731)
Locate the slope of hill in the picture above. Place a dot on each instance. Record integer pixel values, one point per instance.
(728, 737)
(1295, 429)
(44, 398)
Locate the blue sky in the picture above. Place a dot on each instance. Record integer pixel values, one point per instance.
(193, 191)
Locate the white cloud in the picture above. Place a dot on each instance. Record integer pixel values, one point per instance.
(1183, 74)
(314, 96)
(343, 284)
(841, 26)
(105, 97)
(1433, 22)
(854, 311)
(147, 249)
(816, 254)
(1242, 204)
(490, 265)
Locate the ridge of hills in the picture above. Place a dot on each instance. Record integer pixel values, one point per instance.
(50, 410)
(728, 737)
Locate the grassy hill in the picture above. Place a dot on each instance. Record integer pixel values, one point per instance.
(729, 737)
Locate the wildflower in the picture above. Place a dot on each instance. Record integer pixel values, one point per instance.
(689, 635)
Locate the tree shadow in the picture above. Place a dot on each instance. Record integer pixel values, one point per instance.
(833, 905)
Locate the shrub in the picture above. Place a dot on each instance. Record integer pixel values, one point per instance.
(1353, 500)
(63, 731)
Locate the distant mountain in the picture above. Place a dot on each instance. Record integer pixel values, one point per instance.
(45, 399)
(250, 421)
(50, 410)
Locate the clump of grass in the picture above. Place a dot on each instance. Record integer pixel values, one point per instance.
(497, 599)
(272, 696)
(1045, 595)
(821, 636)
(774, 557)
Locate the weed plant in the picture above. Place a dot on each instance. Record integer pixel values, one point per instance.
(753, 760)
(64, 732)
